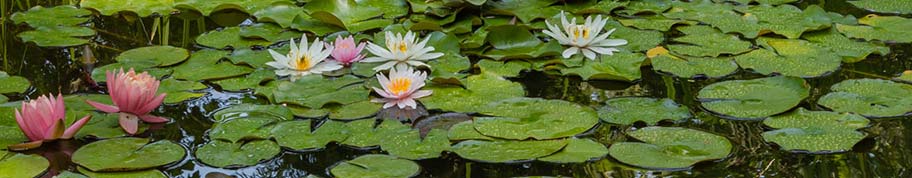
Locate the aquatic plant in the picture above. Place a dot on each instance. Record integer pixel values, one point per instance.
(134, 96)
(401, 87)
(302, 60)
(345, 51)
(401, 51)
(586, 38)
(44, 119)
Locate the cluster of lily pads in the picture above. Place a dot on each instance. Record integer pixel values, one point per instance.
(319, 93)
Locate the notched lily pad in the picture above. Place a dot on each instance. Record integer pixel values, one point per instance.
(620, 66)
(297, 134)
(707, 41)
(577, 151)
(790, 57)
(479, 91)
(158, 55)
(627, 110)
(873, 98)
(376, 166)
(692, 67)
(815, 131)
(13, 84)
(314, 91)
(522, 118)
(885, 6)
(22, 165)
(850, 50)
(409, 144)
(882, 28)
(670, 148)
(240, 154)
(503, 151)
(126, 154)
(753, 99)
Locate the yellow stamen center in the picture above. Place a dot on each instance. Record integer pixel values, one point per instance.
(402, 47)
(302, 63)
(580, 30)
(399, 85)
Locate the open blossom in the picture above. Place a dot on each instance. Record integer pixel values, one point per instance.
(345, 51)
(134, 96)
(401, 51)
(44, 119)
(401, 87)
(302, 60)
(585, 38)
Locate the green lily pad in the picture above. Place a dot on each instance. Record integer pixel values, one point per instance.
(250, 81)
(58, 37)
(77, 102)
(296, 135)
(788, 20)
(238, 129)
(627, 110)
(152, 173)
(363, 133)
(479, 91)
(620, 66)
(256, 59)
(694, 67)
(753, 99)
(516, 42)
(239, 154)
(670, 148)
(602, 7)
(13, 84)
(126, 154)
(159, 55)
(207, 7)
(577, 151)
(10, 134)
(68, 174)
(143, 8)
(654, 22)
(525, 10)
(654, 6)
(521, 118)
(719, 15)
(22, 165)
(376, 166)
(885, 6)
(503, 151)
(229, 37)
(355, 16)
(179, 91)
(56, 26)
(883, 28)
(510, 68)
(790, 57)
(268, 32)
(873, 98)
(905, 77)
(707, 41)
(207, 65)
(815, 131)
(637, 40)
(408, 144)
(251, 110)
(466, 131)
(357, 110)
(282, 14)
(314, 91)
(850, 50)
(98, 74)
(105, 126)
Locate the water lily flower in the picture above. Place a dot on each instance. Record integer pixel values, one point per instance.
(401, 51)
(345, 51)
(401, 88)
(302, 60)
(134, 96)
(44, 119)
(585, 38)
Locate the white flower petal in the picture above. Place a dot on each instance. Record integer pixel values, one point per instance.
(385, 66)
(601, 50)
(570, 52)
(588, 53)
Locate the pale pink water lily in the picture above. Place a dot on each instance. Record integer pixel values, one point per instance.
(401, 87)
(302, 60)
(345, 52)
(586, 38)
(401, 51)
(44, 119)
(134, 96)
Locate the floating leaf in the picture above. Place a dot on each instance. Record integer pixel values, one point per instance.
(206, 65)
(159, 55)
(179, 91)
(850, 50)
(654, 6)
(627, 110)
(479, 91)
(869, 97)
(620, 66)
(58, 37)
(250, 128)
(314, 91)
(227, 154)
(885, 6)
(251, 110)
(296, 135)
(282, 14)
(256, 59)
(502, 151)
(521, 118)
(376, 166)
(56, 26)
(693, 67)
(602, 7)
(577, 151)
(510, 68)
(355, 15)
(363, 133)
(815, 131)
(525, 10)
(883, 28)
(905, 77)
(670, 148)
(466, 131)
(637, 40)
(12, 84)
(719, 15)
(409, 144)
(22, 165)
(654, 22)
(126, 154)
(357, 110)
(68, 174)
(143, 8)
(753, 99)
(206, 7)
(251, 81)
(788, 20)
(99, 73)
(513, 41)
(152, 173)
(790, 57)
(707, 41)
(105, 126)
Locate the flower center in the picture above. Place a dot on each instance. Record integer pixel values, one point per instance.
(402, 47)
(580, 30)
(399, 85)
(303, 63)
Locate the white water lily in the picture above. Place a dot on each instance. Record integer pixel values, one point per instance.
(302, 60)
(401, 88)
(584, 38)
(401, 51)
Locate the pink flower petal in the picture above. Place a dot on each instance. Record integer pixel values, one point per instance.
(129, 122)
(27, 129)
(103, 107)
(70, 132)
(153, 119)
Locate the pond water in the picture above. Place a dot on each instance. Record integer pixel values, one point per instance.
(884, 151)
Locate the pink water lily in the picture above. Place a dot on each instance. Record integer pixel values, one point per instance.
(134, 96)
(345, 51)
(401, 88)
(44, 119)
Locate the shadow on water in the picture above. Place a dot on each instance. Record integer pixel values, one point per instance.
(885, 153)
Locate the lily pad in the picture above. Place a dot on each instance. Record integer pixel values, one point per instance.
(250, 81)
(627, 110)
(409, 144)
(251, 110)
(238, 129)
(503, 151)
(207, 7)
(143, 8)
(885, 6)
(719, 15)
(850, 50)
(363, 133)
(620, 66)
(788, 20)
(516, 42)
(296, 135)
(98, 74)
(13, 84)
(152, 173)
(577, 151)
(654, 6)
(376, 166)
(694, 67)
(357, 110)
(179, 91)
(521, 118)
(58, 37)
(524, 10)
(654, 22)
(670, 148)
(466, 131)
(873, 98)
(637, 40)
(105, 126)
(479, 91)
(159, 55)
(314, 91)
(255, 58)
(707, 41)
(55, 26)
(905, 77)
(510, 68)
(790, 57)
(207, 65)
(22, 165)
(883, 28)
(126, 154)
(815, 131)
(240, 154)
(753, 99)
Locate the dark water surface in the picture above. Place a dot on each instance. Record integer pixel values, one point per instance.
(887, 152)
